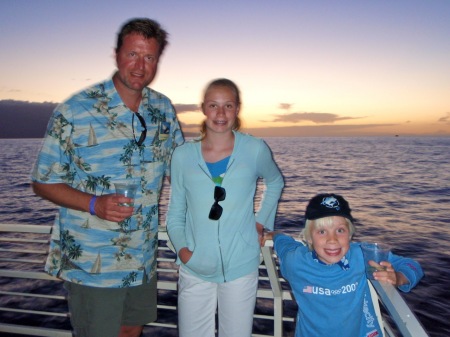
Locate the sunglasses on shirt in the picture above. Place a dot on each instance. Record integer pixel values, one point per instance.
(216, 210)
(144, 127)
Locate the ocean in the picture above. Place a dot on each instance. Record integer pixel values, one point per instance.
(398, 189)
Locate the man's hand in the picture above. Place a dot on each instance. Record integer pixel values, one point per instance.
(108, 207)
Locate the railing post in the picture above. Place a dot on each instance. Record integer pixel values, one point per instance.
(267, 253)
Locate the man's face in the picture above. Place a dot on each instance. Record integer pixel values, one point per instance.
(137, 62)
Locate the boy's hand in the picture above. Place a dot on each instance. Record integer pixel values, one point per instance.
(388, 275)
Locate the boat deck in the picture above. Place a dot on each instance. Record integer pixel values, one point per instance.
(32, 303)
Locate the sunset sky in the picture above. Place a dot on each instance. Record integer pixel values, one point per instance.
(309, 67)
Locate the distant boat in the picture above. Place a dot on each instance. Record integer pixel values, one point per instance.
(92, 141)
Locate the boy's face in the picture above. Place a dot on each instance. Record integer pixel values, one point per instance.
(332, 242)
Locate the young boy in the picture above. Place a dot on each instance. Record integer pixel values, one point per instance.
(327, 276)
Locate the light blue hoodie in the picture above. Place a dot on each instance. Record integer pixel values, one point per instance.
(228, 248)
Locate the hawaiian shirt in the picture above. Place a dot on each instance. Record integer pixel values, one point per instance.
(91, 143)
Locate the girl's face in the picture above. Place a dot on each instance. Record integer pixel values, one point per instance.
(331, 242)
(221, 108)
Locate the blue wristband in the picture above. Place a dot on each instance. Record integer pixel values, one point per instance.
(92, 205)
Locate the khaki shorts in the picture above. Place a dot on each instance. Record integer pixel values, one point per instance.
(99, 312)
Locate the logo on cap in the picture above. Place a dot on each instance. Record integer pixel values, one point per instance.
(331, 202)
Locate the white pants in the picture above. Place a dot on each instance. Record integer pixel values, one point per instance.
(198, 301)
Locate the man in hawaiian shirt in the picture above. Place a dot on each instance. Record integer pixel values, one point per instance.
(119, 130)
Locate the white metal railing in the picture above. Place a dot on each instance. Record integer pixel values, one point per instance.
(278, 293)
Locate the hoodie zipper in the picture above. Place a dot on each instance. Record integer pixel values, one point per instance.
(218, 221)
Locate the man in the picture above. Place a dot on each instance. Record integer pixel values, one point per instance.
(116, 131)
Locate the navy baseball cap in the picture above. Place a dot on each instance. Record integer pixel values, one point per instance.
(327, 204)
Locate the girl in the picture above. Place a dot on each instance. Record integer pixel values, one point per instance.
(211, 220)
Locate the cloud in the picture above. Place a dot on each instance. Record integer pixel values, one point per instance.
(181, 108)
(445, 119)
(189, 125)
(315, 117)
(321, 130)
(285, 106)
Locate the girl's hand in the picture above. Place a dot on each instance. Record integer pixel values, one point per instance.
(267, 236)
(260, 230)
(185, 255)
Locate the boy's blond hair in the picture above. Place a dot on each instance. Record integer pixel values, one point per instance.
(325, 222)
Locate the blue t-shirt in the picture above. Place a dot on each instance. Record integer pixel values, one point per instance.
(218, 170)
